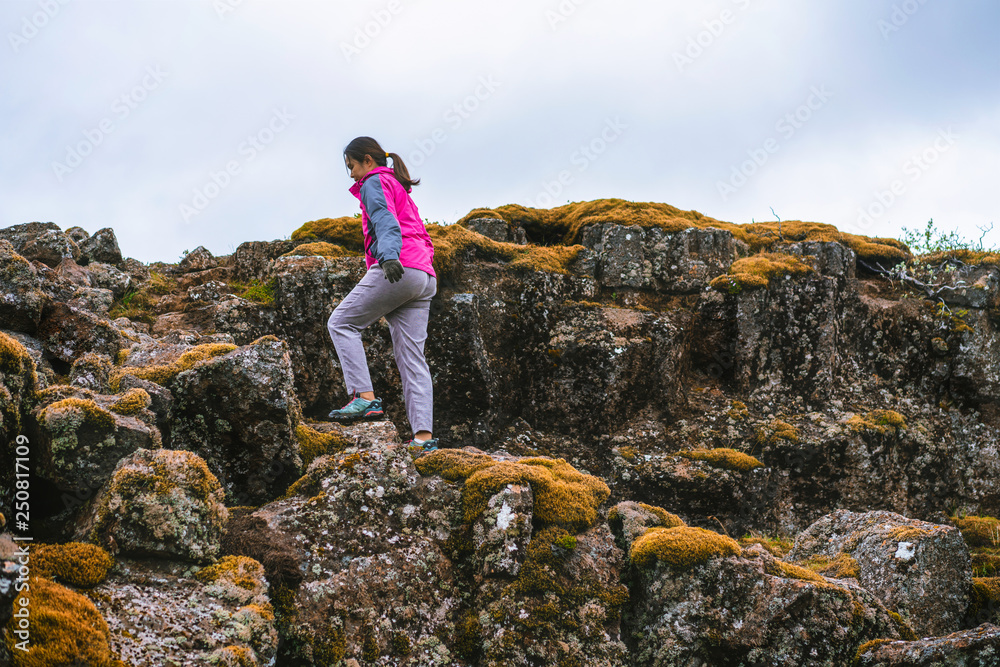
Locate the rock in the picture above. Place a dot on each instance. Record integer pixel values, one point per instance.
(253, 259)
(629, 520)
(919, 569)
(501, 534)
(21, 297)
(106, 276)
(79, 436)
(101, 247)
(363, 522)
(68, 331)
(72, 272)
(78, 234)
(42, 241)
(498, 230)
(135, 269)
(751, 608)
(161, 403)
(979, 647)
(158, 502)
(166, 611)
(198, 259)
(239, 411)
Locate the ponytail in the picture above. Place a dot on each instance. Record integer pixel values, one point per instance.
(362, 146)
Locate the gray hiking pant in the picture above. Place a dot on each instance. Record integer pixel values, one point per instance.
(405, 305)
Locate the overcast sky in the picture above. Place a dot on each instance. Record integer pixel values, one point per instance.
(211, 122)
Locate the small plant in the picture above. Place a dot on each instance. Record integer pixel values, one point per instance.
(932, 239)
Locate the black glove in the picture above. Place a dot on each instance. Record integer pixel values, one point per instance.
(392, 269)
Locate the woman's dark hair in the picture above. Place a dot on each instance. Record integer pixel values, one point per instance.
(362, 146)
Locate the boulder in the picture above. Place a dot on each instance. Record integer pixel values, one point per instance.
(501, 534)
(979, 647)
(21, 297)
(239, 412)
(747, 608)
(107, 276)
(253, 259)
(158, 502)
(498, 230)
(67, 332)
(198, 259)
(102, 246)
(919, 569)
(42, 241)
(162, 612)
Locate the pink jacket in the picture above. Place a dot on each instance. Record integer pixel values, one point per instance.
(391, 223)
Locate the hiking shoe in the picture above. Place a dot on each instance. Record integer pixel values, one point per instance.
(358, 409)
(427, 445)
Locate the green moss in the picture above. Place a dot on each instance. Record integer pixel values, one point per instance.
(400, 643)
(725, 458)
(681, 547)
(905, 631)
(841, 567)
(667, 519)
(468, 637)
(369, 647)
(759, 270)
(162, 373)
(868, 646)
(132, 401)
(628, 453)
(979, 531)
(738, 411)
(776, 546)
(877, 421)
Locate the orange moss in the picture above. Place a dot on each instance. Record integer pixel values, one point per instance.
(725, 458)
(313, 443)
(681, 547)
(77, 563)
(879, 421)
(979, 531)
(451, 241)
(453, 464)
(164, 372)
(94, 415)
(344, 231)
(66, 628)
(132, 401)
(321, 248)
(563, 224)
(758, 271)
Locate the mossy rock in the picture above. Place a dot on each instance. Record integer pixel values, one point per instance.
(132, 401)
(979, 531)
(681, 547)
(161, 374)
(562, 494)
(321, 249)
(313, 443)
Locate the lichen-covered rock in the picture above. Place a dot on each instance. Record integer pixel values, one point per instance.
(501, 534)
(629, 520)
(158, 502)
(68, 332)
(21, 297)
(239, 412)
(919, 569)
(163, 612)
(91, 370)
(681, 262)
(198, 259)
(78, 439)
(498, 230)
(101, 246)
(42, 241)
(748, 609)
(979, 647)
(253, 259)
(106, 276)
(378, 585)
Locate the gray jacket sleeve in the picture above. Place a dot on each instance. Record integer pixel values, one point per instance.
(387, 237)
